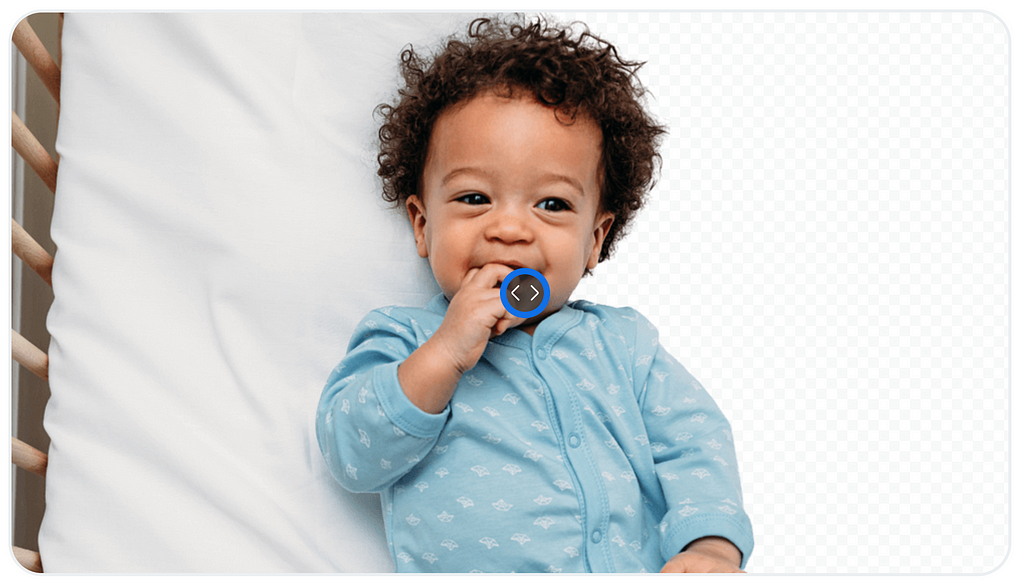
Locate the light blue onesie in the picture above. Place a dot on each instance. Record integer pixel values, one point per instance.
(583, 448)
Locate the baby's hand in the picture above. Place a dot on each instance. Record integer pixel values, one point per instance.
(710, 554)
(475, 315)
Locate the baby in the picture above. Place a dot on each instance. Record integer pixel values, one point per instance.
(567, 442)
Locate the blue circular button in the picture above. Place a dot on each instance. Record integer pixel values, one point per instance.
(525, 293)
(595, 537)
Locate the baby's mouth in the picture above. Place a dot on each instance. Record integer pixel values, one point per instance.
(511, 264)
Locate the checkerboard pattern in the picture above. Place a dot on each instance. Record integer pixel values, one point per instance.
(827, 250)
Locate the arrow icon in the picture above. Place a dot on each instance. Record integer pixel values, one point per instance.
(514, 295)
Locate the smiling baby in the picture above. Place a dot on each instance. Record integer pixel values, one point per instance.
(567, 442)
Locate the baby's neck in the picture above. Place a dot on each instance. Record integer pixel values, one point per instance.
(529, 327)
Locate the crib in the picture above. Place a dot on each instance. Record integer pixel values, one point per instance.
(832, 216)
(32, 253)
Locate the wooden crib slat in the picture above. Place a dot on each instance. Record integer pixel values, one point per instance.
(28, 559)
(26, 144)
(31, 252)
(30, 356)
(28, 458)
(38, 57)
(37, 157)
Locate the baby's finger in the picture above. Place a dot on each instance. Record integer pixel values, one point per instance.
(506, 322)
(469, 276)
(490, 275)
(500, 328)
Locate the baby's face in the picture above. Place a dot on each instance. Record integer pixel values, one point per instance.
(505, 182)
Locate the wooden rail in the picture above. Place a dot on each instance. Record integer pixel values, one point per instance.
(30, 356)
(26, 144)
(29, 559)
(38, 57)
(31, 252)
(28, 458)
(26, 248)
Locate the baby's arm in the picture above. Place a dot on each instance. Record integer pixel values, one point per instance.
(368, 432)
(695, 461)
(475, 314)
(386, 404)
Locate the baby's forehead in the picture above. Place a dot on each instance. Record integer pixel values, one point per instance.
(476, 113)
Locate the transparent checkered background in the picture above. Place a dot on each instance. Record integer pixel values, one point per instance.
(828, 252)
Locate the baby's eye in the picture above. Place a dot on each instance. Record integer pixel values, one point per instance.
(473, 199)
(553, 204)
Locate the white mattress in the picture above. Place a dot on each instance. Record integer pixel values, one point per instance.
(220, 233)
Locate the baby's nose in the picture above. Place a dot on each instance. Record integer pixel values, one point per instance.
(510, 227)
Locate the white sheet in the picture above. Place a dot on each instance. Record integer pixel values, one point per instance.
(220, 233)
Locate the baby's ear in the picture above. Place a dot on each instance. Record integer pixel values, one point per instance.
(602, 225)
(418, 219)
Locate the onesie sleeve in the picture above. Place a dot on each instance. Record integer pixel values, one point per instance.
(368, 431)
(692, 445)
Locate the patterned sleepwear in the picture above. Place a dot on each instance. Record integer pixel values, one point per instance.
(585, 447)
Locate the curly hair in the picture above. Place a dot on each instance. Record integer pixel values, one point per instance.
(572, 73)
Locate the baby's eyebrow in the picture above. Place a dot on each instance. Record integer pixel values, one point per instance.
(463, 170)
(553, 177)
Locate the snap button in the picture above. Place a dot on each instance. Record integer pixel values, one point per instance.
(595, 537)
(574, 440)
(542, 353)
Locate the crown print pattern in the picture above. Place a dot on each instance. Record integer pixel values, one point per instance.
(586, 447)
